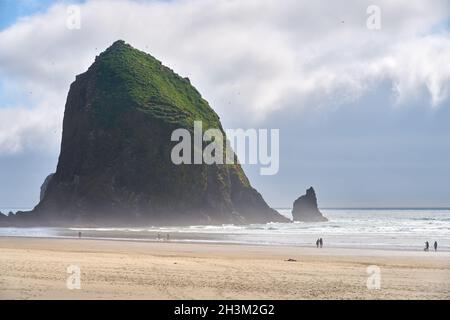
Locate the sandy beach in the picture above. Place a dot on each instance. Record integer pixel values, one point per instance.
(36, 268)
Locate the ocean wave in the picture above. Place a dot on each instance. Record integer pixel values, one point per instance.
(409, 228)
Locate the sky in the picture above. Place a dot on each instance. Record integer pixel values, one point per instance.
(363, 113)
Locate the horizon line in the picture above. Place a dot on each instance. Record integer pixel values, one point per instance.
(375, 208)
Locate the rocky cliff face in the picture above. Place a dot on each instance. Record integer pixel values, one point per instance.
(306, 209)
(115, 165)
(45, 185)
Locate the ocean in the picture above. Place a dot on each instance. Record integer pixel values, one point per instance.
(396, 229)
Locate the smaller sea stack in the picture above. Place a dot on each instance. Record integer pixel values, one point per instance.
(305, 208)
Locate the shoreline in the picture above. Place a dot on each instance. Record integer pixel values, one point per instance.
(381, 248)
(36, 268)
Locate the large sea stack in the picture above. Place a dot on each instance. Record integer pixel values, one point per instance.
(115, 163)
(306, 209)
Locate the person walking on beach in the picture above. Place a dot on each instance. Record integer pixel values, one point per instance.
(321, 242)
(168, 237)
(427, 246)
(79, 235)
(435, 246)
(317, 243)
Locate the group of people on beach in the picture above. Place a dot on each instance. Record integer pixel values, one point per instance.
(319, 243)
(167, 237)
(427, 246)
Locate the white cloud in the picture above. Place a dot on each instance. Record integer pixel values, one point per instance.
(24, 128)
(248, 58)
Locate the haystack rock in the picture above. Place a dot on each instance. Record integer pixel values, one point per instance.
(306, 209)
(115, 163)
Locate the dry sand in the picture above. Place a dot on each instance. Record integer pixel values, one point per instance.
(36, 268)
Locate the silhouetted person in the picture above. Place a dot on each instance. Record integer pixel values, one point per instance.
(168, 237)
(79, 235)
(427, 246)
(317, 243)
(321, 242)
(435, 246)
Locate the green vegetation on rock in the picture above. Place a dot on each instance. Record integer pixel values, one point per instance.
(127, 77)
